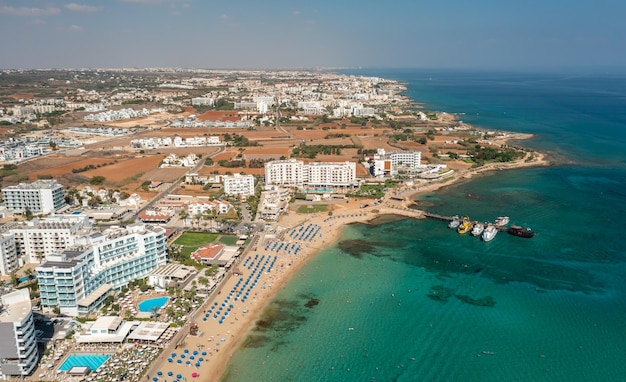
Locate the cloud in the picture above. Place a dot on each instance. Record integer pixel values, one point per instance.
(27, 11)
(227, 21)
(296, 13)
(75, 28)
(83, 7)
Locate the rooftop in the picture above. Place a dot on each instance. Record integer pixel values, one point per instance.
(15, 306)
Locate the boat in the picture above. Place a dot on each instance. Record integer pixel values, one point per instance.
(478, 229)
(454, 223)
(465, 226)
(489, 233)
(521, 232)
(501, 221)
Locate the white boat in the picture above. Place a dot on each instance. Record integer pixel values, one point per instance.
(489, 233)
(454, 223)
(501, 221)
(478, 229)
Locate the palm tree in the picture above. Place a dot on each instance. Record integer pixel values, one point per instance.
(154, 311)
(184, 215)
(198, 218)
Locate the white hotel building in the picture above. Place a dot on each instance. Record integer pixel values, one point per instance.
(18, 353)
(288, 172)
(238, 184)
(387, 164)
(292, 172)
(78, 280)
(36, 239)
(330, 174)
(40, 197)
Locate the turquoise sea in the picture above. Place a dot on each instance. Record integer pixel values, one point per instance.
(409, 300)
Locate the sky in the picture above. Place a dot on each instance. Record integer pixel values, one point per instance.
(283, 34)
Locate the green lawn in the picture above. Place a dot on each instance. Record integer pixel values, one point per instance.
(228, 240)
(312, 208)
(195, 238)
(186, 252)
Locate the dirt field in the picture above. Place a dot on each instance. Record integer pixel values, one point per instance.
(66, 168)
(217, 115)
(318, 133)
(125, 169)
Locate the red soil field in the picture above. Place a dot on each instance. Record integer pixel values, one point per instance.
(126, 169)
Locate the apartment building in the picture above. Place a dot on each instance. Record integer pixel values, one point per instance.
(39, 197)
(410, 159)
(238, 184)
(288, 172)
(36, 239)
(18, 353)
(78, 280)
(387, 164)
(202, 101)
(8, 255)
(330, 174)
(220, 207)
(295, 173)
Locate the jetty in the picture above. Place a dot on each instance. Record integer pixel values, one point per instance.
(437, 216)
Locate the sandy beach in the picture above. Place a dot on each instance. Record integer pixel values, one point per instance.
(269, 265)
(216, 342)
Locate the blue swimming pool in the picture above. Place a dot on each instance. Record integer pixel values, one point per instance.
(147, 305)
(93, 361)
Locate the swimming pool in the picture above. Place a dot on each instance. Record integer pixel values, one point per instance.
(147, 305)
(93, 361)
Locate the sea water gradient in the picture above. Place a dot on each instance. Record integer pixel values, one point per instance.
(410, 300)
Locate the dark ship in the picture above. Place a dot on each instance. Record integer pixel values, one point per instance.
(521, 232)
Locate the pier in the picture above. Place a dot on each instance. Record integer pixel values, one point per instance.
(437, 216)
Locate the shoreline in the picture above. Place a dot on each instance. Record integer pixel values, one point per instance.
(235, 331)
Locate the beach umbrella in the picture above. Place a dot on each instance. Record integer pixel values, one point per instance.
(194, 374)
(169, 360)
(179, 361)
(159, 372)
(155, 379)
(195, 352)
(188, 362)
(169, 373)
(179, 376)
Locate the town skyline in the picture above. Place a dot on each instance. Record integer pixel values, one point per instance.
(293, 35)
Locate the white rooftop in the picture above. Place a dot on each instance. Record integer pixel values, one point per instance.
(15, 306)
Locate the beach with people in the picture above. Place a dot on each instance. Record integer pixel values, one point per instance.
(222, 323)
